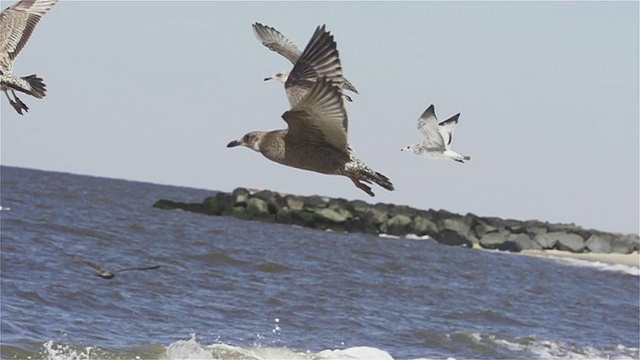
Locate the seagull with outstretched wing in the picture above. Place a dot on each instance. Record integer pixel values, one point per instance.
(437, 137)
(275, 41)
(109, 274)
(17, 22)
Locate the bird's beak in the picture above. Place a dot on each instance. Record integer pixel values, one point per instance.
(268, 78)
(234, 143)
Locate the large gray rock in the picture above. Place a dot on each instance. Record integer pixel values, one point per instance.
(359, 206)
(376, 215)
(333, 214)
(356, 224)
(493, 240)
(315, 202)
(483, 228)
(398, 225)
(599, 243)
(514, 226)
(274, 200)
(294, 203)
(283, 216)
(402, 210)
(305, 218)
(215, 205)
(240, 196)
(546, 241)
(523, 242)
(568, 242)
(450, 237)
(422, 226)
(625, 244)
(457, 224)
(258, 209)
(238, 212)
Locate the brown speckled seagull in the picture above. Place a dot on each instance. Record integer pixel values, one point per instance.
(107, 274)
(17, 22)
(275, 41)
(316, 138)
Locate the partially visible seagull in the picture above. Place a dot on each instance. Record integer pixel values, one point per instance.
(316, 137)
(17, 22)
(437, 141)
(107, 274)
(275, 41)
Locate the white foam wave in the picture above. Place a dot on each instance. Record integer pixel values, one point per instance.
(543, 349)
(192, 349)
(53, 351)
(620, 268)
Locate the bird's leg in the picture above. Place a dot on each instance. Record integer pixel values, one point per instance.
(362, 187)
(11, 102)
(20, 105)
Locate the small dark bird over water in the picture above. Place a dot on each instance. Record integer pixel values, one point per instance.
(107, 274)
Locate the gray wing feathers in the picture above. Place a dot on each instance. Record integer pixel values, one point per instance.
(428, 126)
(427, 119)
(139, 268)
(446, 128)
(321, 113)
(275, 41)
(319, 58)
(17, 22)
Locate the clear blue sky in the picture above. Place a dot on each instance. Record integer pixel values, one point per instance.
(153, 91)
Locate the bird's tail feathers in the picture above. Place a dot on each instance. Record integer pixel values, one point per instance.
(37, 86)
(371, 176)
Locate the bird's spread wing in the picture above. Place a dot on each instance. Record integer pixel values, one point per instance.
(17, 22)
(319, 58)
(428, 126)
(86, 262)
(275, 41)
(320, 117)
(446, 129)
(139, 268)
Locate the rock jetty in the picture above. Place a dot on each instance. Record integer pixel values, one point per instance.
(342, 215)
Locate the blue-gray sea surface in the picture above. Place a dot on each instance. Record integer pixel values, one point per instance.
(235, 289)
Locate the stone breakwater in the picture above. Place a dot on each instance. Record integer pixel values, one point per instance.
(341, 215)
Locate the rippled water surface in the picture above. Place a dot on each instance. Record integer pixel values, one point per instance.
(228, 288)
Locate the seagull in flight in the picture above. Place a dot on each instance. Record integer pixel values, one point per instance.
(17, 22)
(109, 274)
(437, 137)
(275, 41)
(316, 135)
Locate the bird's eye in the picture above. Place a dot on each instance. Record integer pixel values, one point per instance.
(245, 138)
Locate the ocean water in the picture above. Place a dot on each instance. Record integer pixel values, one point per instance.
(232, 289)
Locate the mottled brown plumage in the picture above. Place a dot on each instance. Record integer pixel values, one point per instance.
(316, 137)
(17, 22)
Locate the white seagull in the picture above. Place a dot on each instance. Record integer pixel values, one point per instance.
(17, 22)
(275, 41)
(437, 137)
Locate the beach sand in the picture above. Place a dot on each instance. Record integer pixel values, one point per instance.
(632, 259)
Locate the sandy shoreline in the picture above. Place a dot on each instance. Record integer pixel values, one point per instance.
(632, 259)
